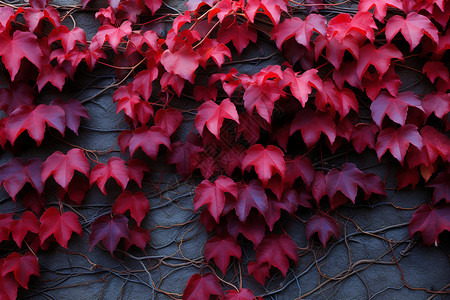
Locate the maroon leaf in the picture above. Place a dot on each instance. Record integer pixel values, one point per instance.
(395, 107)
(324, 225)
(275, 251)
(137, 204)
(441, 185)
(430, 221)
(221, 249)
(397, 141)
(15, 173)
(202, 287)
(109, 230)
(74, 111)
(312, 124)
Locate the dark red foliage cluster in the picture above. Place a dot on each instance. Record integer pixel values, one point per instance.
(255, 138)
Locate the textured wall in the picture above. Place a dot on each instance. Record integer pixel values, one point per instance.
(361, 263)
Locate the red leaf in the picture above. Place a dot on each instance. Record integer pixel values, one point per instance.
(181, 155)
(373, 84)
(437, 103)
(380, 7)
(254, 227)
(22, 267)
(39, 4)
(8, 286)
(213, 195)
(221, 249)
(212, 115)
(436, 69)
(22, 44)
(20, 228)
(169, 119)
(289, 202)
(130, 102)
(137, 204)
(113, 35)
(302, 30)
(336, 48)
(17, 95)
(15, 173)
(347, 72)
(55, 75)
(138, 237)
(215, 50)
(339, 100)
(136, 169)
(240, 35)
(299, 167)
(193, 5)
(33, 16)
(319, 186)
(77, 189)
(259, 271)
(251, 195)
(406, 176)
(109, 230)
(266, 161)
(430, 221)
(250, 126)
(6, 16)
(273, 8)
(301, 84)
(202, 287)
(343, 25)
(230, 159)
(183, 62)
(324, 225)
(275, 251)
(413, 27)
(5, 227)
(74, 111)
(262, 96)
(142, 135)
(243, 294)
(363, 136)
(68, 38)
(397, 141)
(346, 181)
(203, 93)
(435, 144)
(312, 124)
(3, 140)
(33, 120)
(59, 225)
(62, 166)
(154, 5)
(142, 82)
(395, 107)
(372, 184)
(379, 58)
(441, 186)
(115, 168)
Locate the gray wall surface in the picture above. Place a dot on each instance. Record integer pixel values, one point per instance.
(373, 259)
